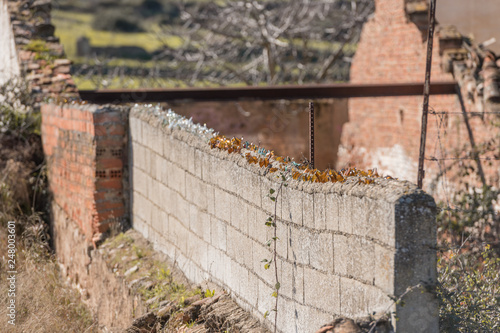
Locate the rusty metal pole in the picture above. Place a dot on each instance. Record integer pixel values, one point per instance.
(311, 134)
(427, 85)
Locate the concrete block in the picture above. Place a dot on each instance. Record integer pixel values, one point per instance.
(175, 234)
(249, 188)
(190, 159)
(222, 205)
(232, 182)
(292, 205)
(218, 231)
(359, 216)
(140, 206)
(319, 211)
(228, 272)
(299, 245)
(199, 223)
(376, 300)
(298, 318)
(163, 197)
(211, 200)
(167, 145)
(257, 228)
(234, 243)
(250, 218)
(249, 291)
(156, 140)
(345, 214)
(140, 182)
(332, 203)
(156, 222)
(283, 239)
(194, 219)
(178, 154)
(139, 157)
(353, 302)
(239, 247)
(244, 256)
(141, 226)
(193, 247)
(153, 189)
(204, 258)
(308, 209)
(266, 301)
(268, 205)
(144, 131)
(177, 179)
(317, 316)
(292, 281)
(321, 252)
(196, 191)
(238, 278)
(162, 170)
(213, 260)
(198, 163)
(247, 251)
(164, 224)
(353, 256)
(238, 209)
(208, 171)
(381, 222)
(171, 206)
(135, 129)
(150, 166)
(322, 290)
(260, 253)
(183, 210)
(384, 269)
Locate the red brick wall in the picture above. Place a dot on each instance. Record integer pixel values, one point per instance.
(85, 149)
(281, 126)
(385, 132)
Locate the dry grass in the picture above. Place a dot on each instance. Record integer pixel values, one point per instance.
(44, 303)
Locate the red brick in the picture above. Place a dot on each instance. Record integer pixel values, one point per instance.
(108, 205)
(107, 117)
(109, 163)
(100, 130)
(109, 184)
(110, 214)
(116, 129)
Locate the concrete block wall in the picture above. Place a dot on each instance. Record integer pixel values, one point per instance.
(85, 146)
(343, 250)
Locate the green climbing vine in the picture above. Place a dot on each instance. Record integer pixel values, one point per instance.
(272, 222)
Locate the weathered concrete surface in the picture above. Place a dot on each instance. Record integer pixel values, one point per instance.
(9, 65)
(344, 249)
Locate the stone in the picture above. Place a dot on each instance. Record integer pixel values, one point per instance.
(44, 30)
(62, 62)
(62, 69)
(33, 66)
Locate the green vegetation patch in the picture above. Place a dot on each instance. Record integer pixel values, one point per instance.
(149, 276)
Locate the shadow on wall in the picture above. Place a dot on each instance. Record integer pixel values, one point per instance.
(282, 126)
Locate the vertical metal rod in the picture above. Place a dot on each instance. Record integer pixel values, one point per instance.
(427, 84)
(475, 153)
(311, 134)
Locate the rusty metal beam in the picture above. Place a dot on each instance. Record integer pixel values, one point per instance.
(265, 93)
